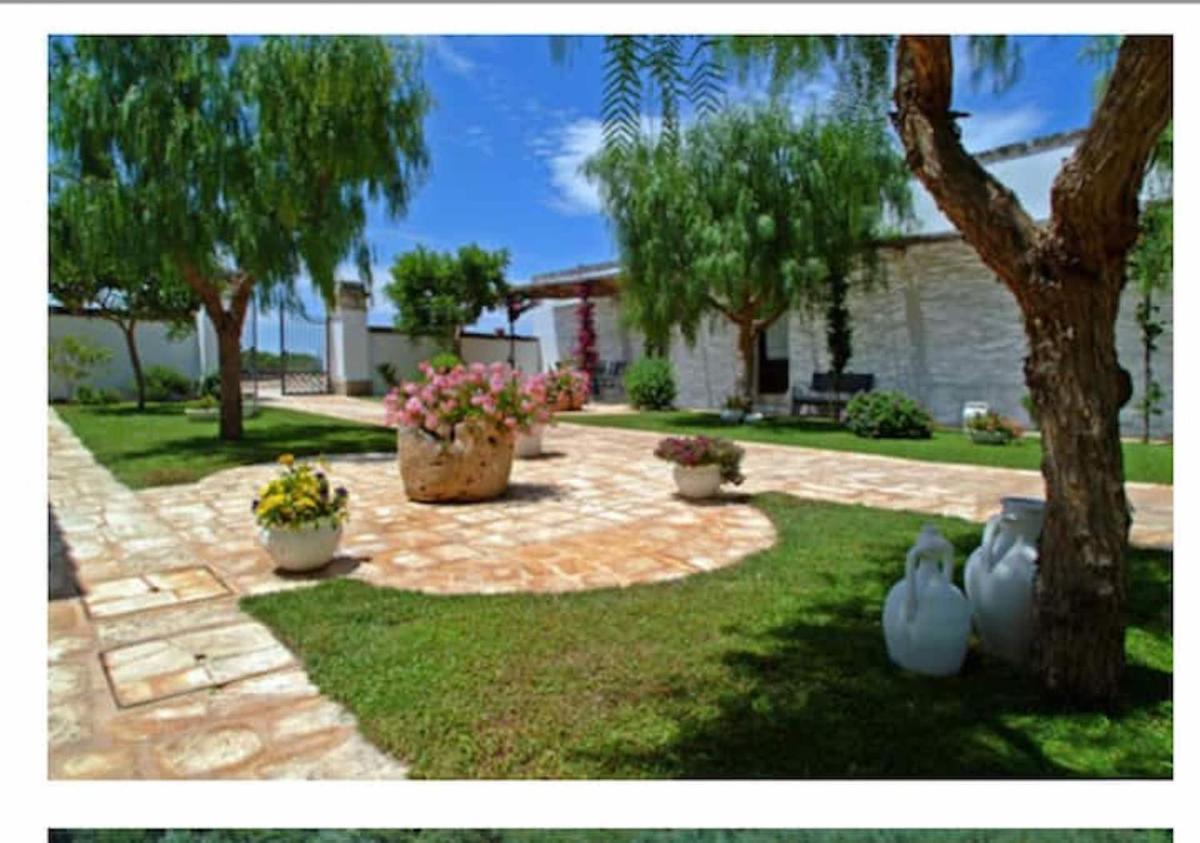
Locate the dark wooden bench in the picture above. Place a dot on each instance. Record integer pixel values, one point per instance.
(822, 396)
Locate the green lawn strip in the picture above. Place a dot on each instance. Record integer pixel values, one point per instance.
(689, 835)
(161, 446)
(1143, 463)
(771, 668)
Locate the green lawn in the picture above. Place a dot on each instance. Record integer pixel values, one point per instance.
(1145, 463)
(771, 668)
(161, 446)
(544, 835)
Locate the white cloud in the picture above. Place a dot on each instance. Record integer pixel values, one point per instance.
(444, 52)
(985, 130)
(564, 151)
(478, 137)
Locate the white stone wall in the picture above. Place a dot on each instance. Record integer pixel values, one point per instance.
(942, 329)
(154, 349)
(385, 345)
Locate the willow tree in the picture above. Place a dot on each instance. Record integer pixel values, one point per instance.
(239, 168)
(1066, 275)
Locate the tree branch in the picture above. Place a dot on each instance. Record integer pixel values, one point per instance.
(1094, 201)
(988, 214)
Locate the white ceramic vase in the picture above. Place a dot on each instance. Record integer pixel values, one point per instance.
(732, 416)
(700, 481)
(529, 444)
(999, 579)
(926, 619)
(304, 548)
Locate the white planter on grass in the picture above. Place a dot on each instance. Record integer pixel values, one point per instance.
(700, 481)
(303, 548)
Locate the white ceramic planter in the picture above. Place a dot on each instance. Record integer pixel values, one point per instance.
(732, 416)
(302, 549)
(701, 481)
(529, 444)
(1000, 575)
(926, 619)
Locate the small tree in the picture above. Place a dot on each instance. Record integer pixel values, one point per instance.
(237, 169)
(436, 294)
(73, 359)
(712, 225)
(99, 278)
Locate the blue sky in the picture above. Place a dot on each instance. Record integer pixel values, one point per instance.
(510, 127)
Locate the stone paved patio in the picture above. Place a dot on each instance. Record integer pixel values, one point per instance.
(154, 672)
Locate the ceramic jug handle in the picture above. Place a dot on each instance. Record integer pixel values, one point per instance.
(990, 533)
(910, 584)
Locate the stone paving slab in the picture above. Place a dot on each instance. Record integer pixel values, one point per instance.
(243, 710)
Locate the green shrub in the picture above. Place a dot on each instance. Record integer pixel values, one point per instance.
(166, 384)
(387, 371)
(110, 396)
(84, 394)
(888, 415)
(444, 362)
(209, 385)
(650, 384)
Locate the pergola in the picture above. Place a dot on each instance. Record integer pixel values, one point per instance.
(585, 282)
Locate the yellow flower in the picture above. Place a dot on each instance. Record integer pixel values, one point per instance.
(286, 459)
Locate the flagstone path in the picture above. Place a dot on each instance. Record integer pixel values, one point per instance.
(155, 672)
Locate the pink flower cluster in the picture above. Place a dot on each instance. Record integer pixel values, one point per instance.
(495, 395)
(574, 382)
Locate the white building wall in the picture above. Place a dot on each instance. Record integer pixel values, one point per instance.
(406, 354)
(154, 349)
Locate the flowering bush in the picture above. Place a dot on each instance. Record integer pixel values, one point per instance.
(490, 395)
(993, 422)
(692, 451)
(568, 387)
(300, 497)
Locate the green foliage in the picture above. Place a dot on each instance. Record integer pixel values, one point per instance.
(209, 386)
(650, 383)
(166, 384)
(271, 363)
(753, 213)
(437, 293)
(445, 361)
(887, 415)
(232, 168)
(74, 358)
(87, 395)
(391, 377)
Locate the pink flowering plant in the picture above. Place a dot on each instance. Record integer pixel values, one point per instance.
(693, 451)
(573, 382)
(442, 399)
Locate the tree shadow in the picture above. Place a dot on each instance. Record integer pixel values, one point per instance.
(63, 574)
(817, 697)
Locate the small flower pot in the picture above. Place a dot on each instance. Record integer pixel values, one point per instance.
(474, 466)
(529, 444)
(732, 416)
(700, 481)
(304, 548)
(990, 437)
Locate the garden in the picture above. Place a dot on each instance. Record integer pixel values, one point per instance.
(491, 594)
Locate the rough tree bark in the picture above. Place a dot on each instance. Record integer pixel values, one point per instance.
(228, 321)
(1067, 277)
(747, 342)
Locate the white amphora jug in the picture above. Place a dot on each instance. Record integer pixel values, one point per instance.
(999, 579)
(926, 619)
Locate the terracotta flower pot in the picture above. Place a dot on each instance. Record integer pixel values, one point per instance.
(564, 402)
(474, 466)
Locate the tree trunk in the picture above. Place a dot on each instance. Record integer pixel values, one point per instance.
(1079, 388)
(135, 362)
(838, 335)
(229, 362)
(1067, 278)
(746, 342)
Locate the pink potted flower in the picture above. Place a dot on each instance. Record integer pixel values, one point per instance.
(702, 463)
(456, 430)
(568, 389)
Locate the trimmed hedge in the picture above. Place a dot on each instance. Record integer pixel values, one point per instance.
(650, 384)
(888, 415)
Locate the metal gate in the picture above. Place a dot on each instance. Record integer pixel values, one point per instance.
(303, 353)
(287, 350)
